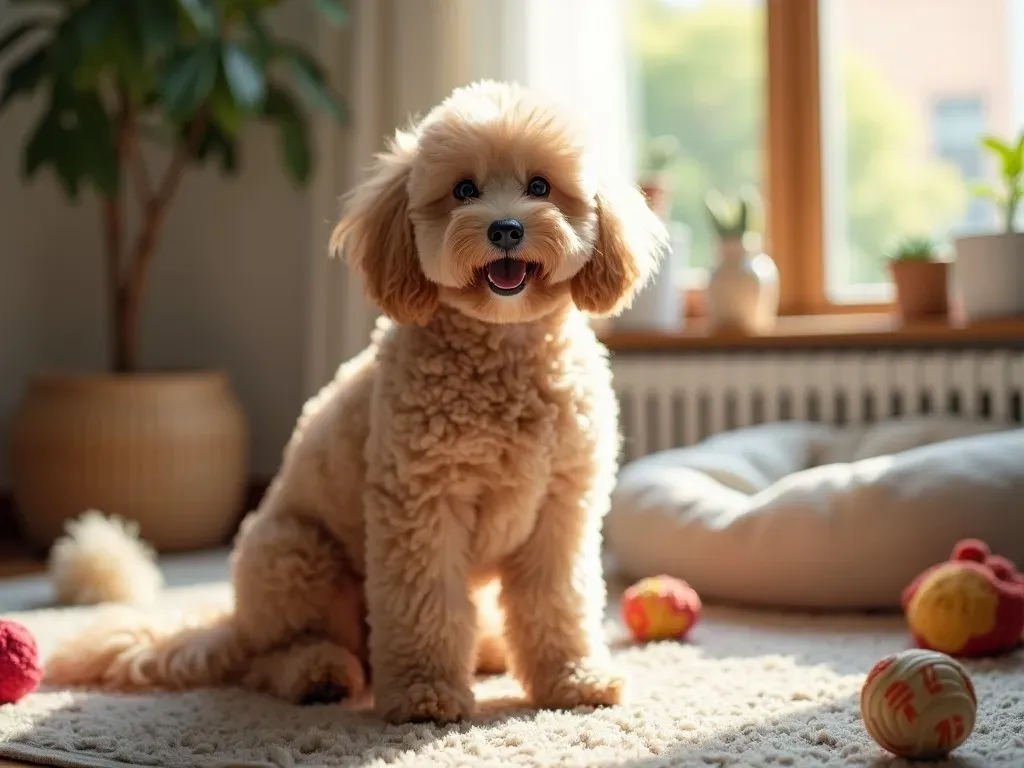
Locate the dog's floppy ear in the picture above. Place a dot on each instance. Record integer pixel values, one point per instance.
(631, 240)
(375, 234)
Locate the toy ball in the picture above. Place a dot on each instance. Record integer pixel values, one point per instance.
(660, 608)
(918, 704)
(20, 668)
(969, 605)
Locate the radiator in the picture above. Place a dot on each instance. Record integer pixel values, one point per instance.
(679, 399)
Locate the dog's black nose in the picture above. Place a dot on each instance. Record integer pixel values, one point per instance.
(505, 233)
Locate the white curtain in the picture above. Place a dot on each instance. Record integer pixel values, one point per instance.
(400, 57)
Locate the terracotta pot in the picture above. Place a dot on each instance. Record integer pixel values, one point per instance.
(921, 289)
(170, 451)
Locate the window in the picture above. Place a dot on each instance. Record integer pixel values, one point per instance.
(702, 72)
(858, 120)
(957, 126)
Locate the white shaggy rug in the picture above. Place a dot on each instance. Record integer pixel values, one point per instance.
(749, 689)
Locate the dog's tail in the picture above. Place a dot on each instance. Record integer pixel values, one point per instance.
(133, 652)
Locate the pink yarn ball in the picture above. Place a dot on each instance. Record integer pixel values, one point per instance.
(20, 667)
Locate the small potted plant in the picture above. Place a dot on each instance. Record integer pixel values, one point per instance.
(743, 288)
(988, 274)
(116, 80)
(656, 181)
(920, 276)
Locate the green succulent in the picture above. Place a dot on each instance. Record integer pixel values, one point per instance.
(731, 217)
(1010, 156)
(662, 152)
(914, 248)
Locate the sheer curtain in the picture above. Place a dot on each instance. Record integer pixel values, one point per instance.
(400, 57)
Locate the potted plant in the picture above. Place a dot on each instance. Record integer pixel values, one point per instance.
(656, 178)
(743, 287)
(118, 79)
(920, 276)
(988, 274)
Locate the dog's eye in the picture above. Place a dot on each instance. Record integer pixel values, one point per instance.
(539, 187)
(465, 189)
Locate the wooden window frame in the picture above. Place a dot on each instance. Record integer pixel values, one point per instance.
(795, 233)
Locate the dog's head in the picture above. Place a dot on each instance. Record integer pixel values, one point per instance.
(489, 205)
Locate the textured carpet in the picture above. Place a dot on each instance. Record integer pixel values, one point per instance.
(750, 689)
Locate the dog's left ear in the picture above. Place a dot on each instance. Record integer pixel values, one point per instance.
(375, 235)
(631, 241)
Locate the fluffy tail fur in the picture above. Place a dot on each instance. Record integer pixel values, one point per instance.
(129, 653)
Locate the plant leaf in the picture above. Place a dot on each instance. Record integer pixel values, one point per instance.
(17, 32)
(294, 132)
(24, 76)
(225, 111)
(261, 44)
(217, 143)
(52, 143)
(42, 144)
(92, 22)
(332, 10)
(189, 77)
(95, 143)
(158, 25)
(311, 81)
(203, 15)
(996, 144)
(1009, 159)
(988, 192)
(244, 77)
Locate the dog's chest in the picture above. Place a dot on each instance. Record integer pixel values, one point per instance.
(499, 433)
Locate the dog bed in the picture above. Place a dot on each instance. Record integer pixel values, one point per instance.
(806, 515)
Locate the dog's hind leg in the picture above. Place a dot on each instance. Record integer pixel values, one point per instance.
(299, 607)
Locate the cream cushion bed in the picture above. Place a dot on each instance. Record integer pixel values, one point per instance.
(809, 516)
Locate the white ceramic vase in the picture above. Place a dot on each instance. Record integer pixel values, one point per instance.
(743, 290)
(988, 276)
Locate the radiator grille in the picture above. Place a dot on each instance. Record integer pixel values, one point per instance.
(678, 400)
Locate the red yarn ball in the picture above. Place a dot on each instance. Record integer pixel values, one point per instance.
(20, 668)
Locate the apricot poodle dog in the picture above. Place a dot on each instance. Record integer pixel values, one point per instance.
(439, 506)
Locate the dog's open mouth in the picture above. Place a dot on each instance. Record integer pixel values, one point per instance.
(508, 276)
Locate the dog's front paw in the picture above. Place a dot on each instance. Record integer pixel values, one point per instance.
(578, 685)
(438, 701)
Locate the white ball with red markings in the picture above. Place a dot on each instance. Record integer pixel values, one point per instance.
(918, 704)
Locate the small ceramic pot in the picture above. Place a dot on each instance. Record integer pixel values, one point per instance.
(988, 276)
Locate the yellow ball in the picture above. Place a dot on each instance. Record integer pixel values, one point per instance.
(918, 704)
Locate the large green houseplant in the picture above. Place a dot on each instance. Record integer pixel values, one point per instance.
(988, 273)
(133, 93)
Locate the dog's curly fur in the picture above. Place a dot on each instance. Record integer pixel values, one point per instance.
(439, 506)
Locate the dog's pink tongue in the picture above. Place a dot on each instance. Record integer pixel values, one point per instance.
(507, 273)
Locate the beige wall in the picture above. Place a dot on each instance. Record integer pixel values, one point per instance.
(229, 287)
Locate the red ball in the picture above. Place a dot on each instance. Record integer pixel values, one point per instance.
(20, 668)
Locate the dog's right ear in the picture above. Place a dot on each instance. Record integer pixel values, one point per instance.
(375, 235)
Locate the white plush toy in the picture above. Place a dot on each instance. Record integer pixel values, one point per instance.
(101, 559)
